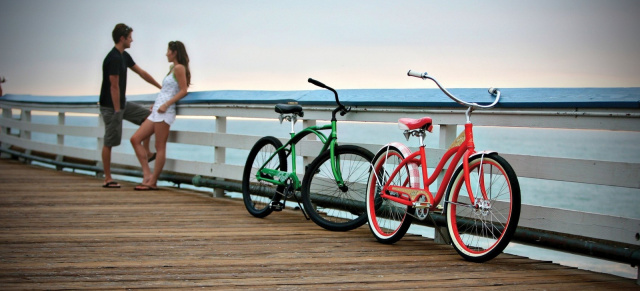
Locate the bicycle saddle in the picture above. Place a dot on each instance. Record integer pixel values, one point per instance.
(286, 108)
(411, 124)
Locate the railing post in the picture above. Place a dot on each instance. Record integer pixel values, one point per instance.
(6, 114)
(448, 133)
(306, 160)
(61, 123)
(25, 119)
(220, 152)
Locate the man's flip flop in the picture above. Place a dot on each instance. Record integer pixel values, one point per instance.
(151, 158)
(143, 187)
(111, 184)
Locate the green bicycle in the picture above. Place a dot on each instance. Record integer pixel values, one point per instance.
(334, 184)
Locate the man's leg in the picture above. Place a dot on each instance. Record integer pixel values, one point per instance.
(112, 137)
(106, 164)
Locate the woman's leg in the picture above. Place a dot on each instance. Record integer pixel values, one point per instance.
(161, 130)
(143, 133)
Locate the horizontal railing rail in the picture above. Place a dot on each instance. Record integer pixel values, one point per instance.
(605, 236)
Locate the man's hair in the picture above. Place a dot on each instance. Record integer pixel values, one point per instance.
(121, 29)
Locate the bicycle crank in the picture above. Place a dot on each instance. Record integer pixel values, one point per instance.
(421, 208)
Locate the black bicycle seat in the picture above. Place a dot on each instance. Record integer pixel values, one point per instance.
(287, 108)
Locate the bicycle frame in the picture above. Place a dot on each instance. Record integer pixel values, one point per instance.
(330, 142)
(410, 196)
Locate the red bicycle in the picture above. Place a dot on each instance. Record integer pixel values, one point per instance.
(480, 189)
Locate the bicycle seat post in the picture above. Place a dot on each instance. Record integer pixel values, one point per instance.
(293, 120)
(419, 133)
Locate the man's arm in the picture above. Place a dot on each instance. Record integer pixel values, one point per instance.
(115, 91)
(145, 76)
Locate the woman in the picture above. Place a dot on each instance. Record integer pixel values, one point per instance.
(163, 113)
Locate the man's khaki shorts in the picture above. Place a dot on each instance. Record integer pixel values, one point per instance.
(132, 112)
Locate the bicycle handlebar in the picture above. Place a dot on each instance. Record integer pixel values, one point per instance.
(492, 91)
(343, 110)
(319, 84)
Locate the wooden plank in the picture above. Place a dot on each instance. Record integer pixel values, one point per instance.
(66, 232)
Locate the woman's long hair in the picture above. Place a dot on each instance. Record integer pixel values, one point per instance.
(182, 57)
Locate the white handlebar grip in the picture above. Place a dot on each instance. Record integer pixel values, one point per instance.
(414, 74)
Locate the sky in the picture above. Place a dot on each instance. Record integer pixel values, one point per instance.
(56, 47)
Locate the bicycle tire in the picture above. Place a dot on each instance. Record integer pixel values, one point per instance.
(480, 234)
(257, 195)
(329, 206)
(388, 220)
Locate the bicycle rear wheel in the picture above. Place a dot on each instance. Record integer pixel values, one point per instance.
(257, 195)
(332, 207)
(388, 220)
(481, 229)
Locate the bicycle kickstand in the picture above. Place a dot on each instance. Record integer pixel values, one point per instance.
(301, 208)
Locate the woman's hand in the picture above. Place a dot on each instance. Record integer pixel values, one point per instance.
(163, 108)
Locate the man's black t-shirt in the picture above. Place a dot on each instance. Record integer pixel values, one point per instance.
(115, 64)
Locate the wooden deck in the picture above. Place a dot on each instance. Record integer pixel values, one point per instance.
(61, 230)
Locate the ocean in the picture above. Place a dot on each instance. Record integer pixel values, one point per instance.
(621, 146)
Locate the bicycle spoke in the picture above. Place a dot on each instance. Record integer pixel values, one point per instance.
(481, 229)
(330, 205)
(388, 220)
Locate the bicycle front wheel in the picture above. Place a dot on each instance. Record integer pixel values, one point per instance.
(388, 220)
(328, 205)
(257, 195)
(481, 229)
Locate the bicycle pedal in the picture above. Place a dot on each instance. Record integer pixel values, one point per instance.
(421, 205)
(277, 206)
(439, 209)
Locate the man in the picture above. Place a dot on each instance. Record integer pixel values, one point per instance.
(113, 104)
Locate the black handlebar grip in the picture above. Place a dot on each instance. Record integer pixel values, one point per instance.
(345, 110)
(317, 83)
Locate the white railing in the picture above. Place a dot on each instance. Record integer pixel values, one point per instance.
(619, 230)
